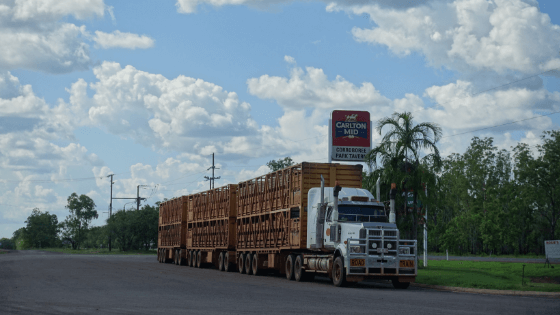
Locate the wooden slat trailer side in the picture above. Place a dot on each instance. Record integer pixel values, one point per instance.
(172, 228)
(272, 212)
(211, 230)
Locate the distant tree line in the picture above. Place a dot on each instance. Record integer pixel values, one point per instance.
(482, 201)
(130, 229)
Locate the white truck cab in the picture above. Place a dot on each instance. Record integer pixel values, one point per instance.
(349, 230)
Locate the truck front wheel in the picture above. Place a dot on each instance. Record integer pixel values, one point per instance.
(338, 274)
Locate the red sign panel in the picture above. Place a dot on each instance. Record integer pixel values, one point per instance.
(351, 135)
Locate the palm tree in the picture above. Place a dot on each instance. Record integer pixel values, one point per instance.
(405, 142)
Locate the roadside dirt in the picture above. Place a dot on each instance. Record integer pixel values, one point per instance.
(554, 280)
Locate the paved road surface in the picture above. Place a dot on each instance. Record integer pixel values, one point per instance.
(35, 282)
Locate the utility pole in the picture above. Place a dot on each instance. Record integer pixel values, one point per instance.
(111, 207)
(211, 179)
(138, 196)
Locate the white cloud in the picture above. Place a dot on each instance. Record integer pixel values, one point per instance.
(33, 37)
(119, 39)
(174, 114)
(466, 35)
(189, 6)
(312, 89)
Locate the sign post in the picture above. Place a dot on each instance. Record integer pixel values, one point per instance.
(349, 135)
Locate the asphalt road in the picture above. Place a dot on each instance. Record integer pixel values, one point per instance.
(35, 282)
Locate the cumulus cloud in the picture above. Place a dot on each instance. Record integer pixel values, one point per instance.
(119, 39)
(33, 37)
(466, 35)
(312, 89)
(157, 112)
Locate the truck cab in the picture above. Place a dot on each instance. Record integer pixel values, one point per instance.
(354, 231)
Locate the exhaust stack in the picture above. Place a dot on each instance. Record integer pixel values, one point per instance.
(321, 209)
(393, 194)
(378, 189)
(336, 190)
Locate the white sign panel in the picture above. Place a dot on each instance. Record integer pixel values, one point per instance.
(552, 249)
(349, 135)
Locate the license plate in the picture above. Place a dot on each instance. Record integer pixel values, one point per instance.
(406, 263)
(382, 250)
(357, 262)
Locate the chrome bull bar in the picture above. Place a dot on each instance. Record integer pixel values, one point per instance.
(381, 253)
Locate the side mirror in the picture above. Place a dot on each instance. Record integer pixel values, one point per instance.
(329, 213)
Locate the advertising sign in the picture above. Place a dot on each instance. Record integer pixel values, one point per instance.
(349, 135)
(552, 249)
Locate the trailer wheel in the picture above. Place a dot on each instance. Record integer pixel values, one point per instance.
(241, 263)
(181, 259)
(226, 262)
(290, 267)
(248, 264)
(176, 258)
(338, 274)
(159, 255)
(400, 285)
(221, 261)
(255, 264)
(299, 273)
(198, 259)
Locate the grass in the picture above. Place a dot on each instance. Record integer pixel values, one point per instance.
(488, 275)
(101, 251)
(530, 256)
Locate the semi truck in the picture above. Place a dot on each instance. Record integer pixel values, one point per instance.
(304, 220)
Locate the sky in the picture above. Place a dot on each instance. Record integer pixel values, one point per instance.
(148, 90)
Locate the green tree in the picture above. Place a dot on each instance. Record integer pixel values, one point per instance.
(398, 157)
(135, 229)
(7, 243)
(541, 178)
(41, 230)
(82, 211)
(280, 164)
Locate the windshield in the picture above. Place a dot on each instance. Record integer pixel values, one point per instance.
(356, 213)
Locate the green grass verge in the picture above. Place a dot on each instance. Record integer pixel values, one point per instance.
(102, 251)
(488, 275)
(531, 256)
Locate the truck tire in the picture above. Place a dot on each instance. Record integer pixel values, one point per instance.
(338, 274)
(249, 264)
(290, 267)
(159, 255)
(255, 264)
(400, 285)
(241, 263)
(221, 261)
(226, 262)
(176, 258)
(299, 273)
(189, 258)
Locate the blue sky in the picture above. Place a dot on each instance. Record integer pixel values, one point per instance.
(147, 90)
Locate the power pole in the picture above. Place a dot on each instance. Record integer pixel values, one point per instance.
(111, 207)
(138, 196)
(211, 179)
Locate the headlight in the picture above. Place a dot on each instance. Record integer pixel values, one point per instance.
(373, 245)
(356, 249)
(389, 245)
